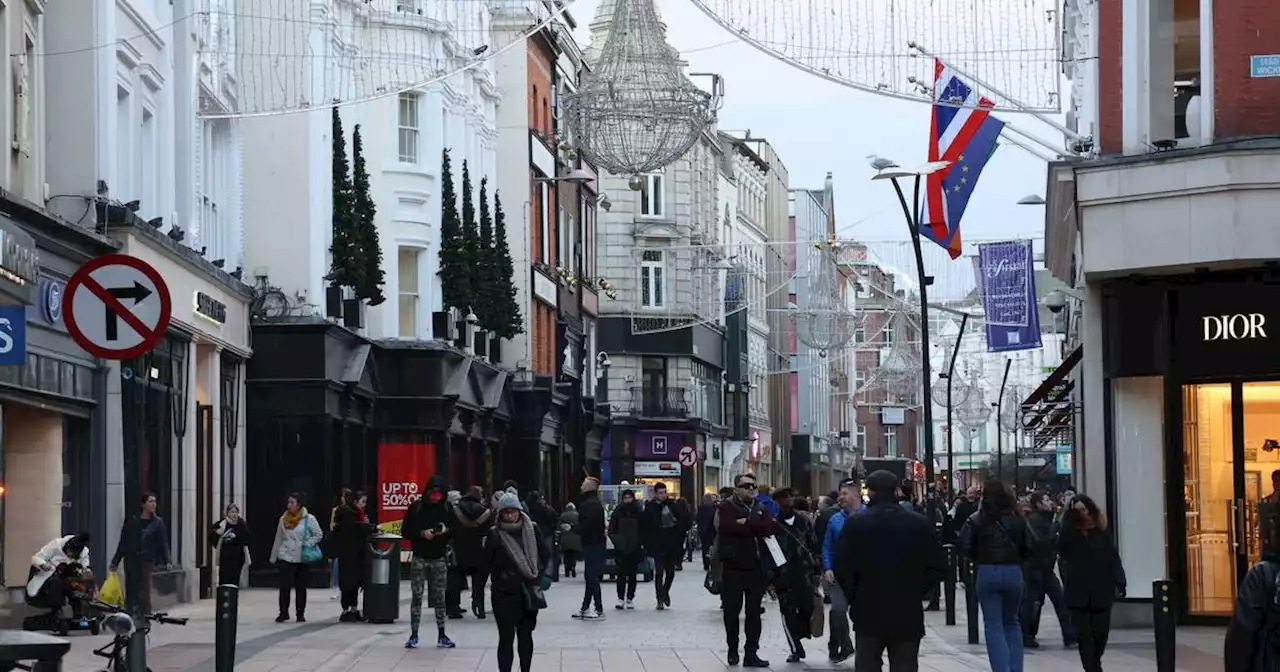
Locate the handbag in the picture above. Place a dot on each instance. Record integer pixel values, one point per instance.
(311, 552)
(535, 598)
(711, 584)
(819, 617)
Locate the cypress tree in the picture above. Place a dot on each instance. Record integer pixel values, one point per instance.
(368, 247)
(507, 321)
(487, 289)
(470, 243)
(345, 269)
(453, 279)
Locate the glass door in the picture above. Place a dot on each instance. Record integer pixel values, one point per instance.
(1214, 494)
(1260, 408)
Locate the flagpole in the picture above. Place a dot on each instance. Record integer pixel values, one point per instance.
(1026, 148)
(1001, 94)
(1053, 151)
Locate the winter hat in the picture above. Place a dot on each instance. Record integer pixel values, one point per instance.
(509, 500)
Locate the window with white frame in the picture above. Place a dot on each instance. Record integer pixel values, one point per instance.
(860, 436)
(544, 221)
(652, 193)
(215, 226)
(407, 278)
(860, 334)
(408, 127)
(652, 282)
(589, 235)
(122, 189)
(147, 158)
(890, 441)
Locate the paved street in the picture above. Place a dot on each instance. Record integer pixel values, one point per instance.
(688, 637)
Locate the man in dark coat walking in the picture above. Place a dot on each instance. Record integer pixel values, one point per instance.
(474, 520)
(886, 561)
(428, 524)
(666, 522)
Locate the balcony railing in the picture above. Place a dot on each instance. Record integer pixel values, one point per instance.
(659, 402)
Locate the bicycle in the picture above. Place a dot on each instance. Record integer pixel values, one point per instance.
(122, 627)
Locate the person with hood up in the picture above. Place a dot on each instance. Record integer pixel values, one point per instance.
(666, 520)
(518, 566)
(625, 528)
(428, 524)
(474, 520)
(570, 540)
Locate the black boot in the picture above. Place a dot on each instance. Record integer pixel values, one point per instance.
(750, 659)
(733, 656)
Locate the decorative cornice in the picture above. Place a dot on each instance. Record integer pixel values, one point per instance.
(148, 31)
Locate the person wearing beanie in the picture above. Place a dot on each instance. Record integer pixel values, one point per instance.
(591, 529)
(518, 565)
(428, 524)
(626, 526)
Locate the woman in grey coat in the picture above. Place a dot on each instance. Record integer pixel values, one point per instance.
(570, 540)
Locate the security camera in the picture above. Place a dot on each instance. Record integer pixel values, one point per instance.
(1055, 301)
(602, 358)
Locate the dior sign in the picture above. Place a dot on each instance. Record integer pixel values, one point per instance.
(1237, 327)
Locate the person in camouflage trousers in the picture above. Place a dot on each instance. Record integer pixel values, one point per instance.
(428, 524)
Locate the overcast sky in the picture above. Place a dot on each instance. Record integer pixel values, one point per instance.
(818, 126)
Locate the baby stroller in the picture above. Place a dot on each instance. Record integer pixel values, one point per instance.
(69, 584)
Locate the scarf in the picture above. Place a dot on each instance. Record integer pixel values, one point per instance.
(291, 520)
(525, 553)
(364, 516)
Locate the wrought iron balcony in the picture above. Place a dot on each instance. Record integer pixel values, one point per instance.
(659, 402)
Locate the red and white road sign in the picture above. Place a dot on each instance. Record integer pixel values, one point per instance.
(688, 456)
(116, 307)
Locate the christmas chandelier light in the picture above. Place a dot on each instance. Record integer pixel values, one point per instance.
(900, 367)
(974, 413)
(636, 111)
(824, 322)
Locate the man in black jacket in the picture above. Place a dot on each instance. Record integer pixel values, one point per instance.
(428, 524)
(886, 560)
(745, 575)
(666, 522)
(591, 527)
(474, 520)
(1041, 581)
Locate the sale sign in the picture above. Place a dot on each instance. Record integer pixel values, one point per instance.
(403, 471)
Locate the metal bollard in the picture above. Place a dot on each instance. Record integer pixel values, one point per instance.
(935, 589)
(555, 557)
(949, 583)
(225, 628)
(1165, 625)
(971, 601)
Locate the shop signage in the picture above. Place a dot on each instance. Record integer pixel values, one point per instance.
(657, 469)
(403, 472)
(19, 261)
(51, 300)
(1006, 272)
(1264, 65)
(1237, 327)
(13, 335)
(210, 308)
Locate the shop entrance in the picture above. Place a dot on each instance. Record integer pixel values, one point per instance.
(1229, 439)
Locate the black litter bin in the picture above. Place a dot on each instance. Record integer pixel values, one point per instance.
(382, 588)
(41, 652)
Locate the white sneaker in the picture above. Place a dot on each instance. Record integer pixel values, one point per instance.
(592, 615)
(335, 595)
(622, 604)
(629, 605)
(578, 615)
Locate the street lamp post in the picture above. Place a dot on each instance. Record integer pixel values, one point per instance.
(950, 583)
(1000, 432)
(887, 170)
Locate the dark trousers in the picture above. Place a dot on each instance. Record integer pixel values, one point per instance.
(904, 656)
(664, 572)
(1039, 585)
(626, 567)
(570, 559)
(515, 635)
(593, 567)
(293, 577)
(706, 557)
(1093, 627)
(458, 578)
(741, 591)
(229, 566)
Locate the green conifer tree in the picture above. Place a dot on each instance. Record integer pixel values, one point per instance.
(470, 242)
(487, 285)
(368, 247)
(453, 278)
(507, 321)
(345, 269)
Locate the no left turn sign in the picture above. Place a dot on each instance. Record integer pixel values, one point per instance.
(116, 307)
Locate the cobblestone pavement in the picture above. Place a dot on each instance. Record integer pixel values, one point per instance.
(689, 637)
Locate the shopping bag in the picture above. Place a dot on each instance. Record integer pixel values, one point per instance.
(819, 617)
(112, 592)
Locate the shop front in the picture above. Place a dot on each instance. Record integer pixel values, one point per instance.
(182, 426)
(51, 396)
(1192, 429)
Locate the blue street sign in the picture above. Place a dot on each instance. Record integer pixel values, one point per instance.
(13, 335)
(1267, 65)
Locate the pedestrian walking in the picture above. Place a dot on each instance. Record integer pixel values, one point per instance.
(1249, 646)
(546, 518)
(1039, 578)
(230, 540)
(666, 522)
(293, 551)
(592, 530)
(797, 581)
(1092, 577)
(743, 525)
(570, 540)
(349, 544)
(840, 642)
(998, 542)
(886, 562)
(518, 564)
(706, 524)
(428, 524)
(343, 498)
(467, 542)
(625, 530)
(145, 537)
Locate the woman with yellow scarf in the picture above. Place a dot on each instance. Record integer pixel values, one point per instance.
(297, 545)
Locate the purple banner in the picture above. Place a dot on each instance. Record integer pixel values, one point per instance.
(658, 445)
(1007, 275)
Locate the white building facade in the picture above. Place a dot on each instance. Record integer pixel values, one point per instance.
(810, 366)
(404, 136)
(128, 156)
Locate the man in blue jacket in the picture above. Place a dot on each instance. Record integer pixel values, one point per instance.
(840, 644)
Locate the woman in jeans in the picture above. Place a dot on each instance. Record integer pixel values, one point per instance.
(1092, 577)
(517, 562)
(996, 539)
(298, 536)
